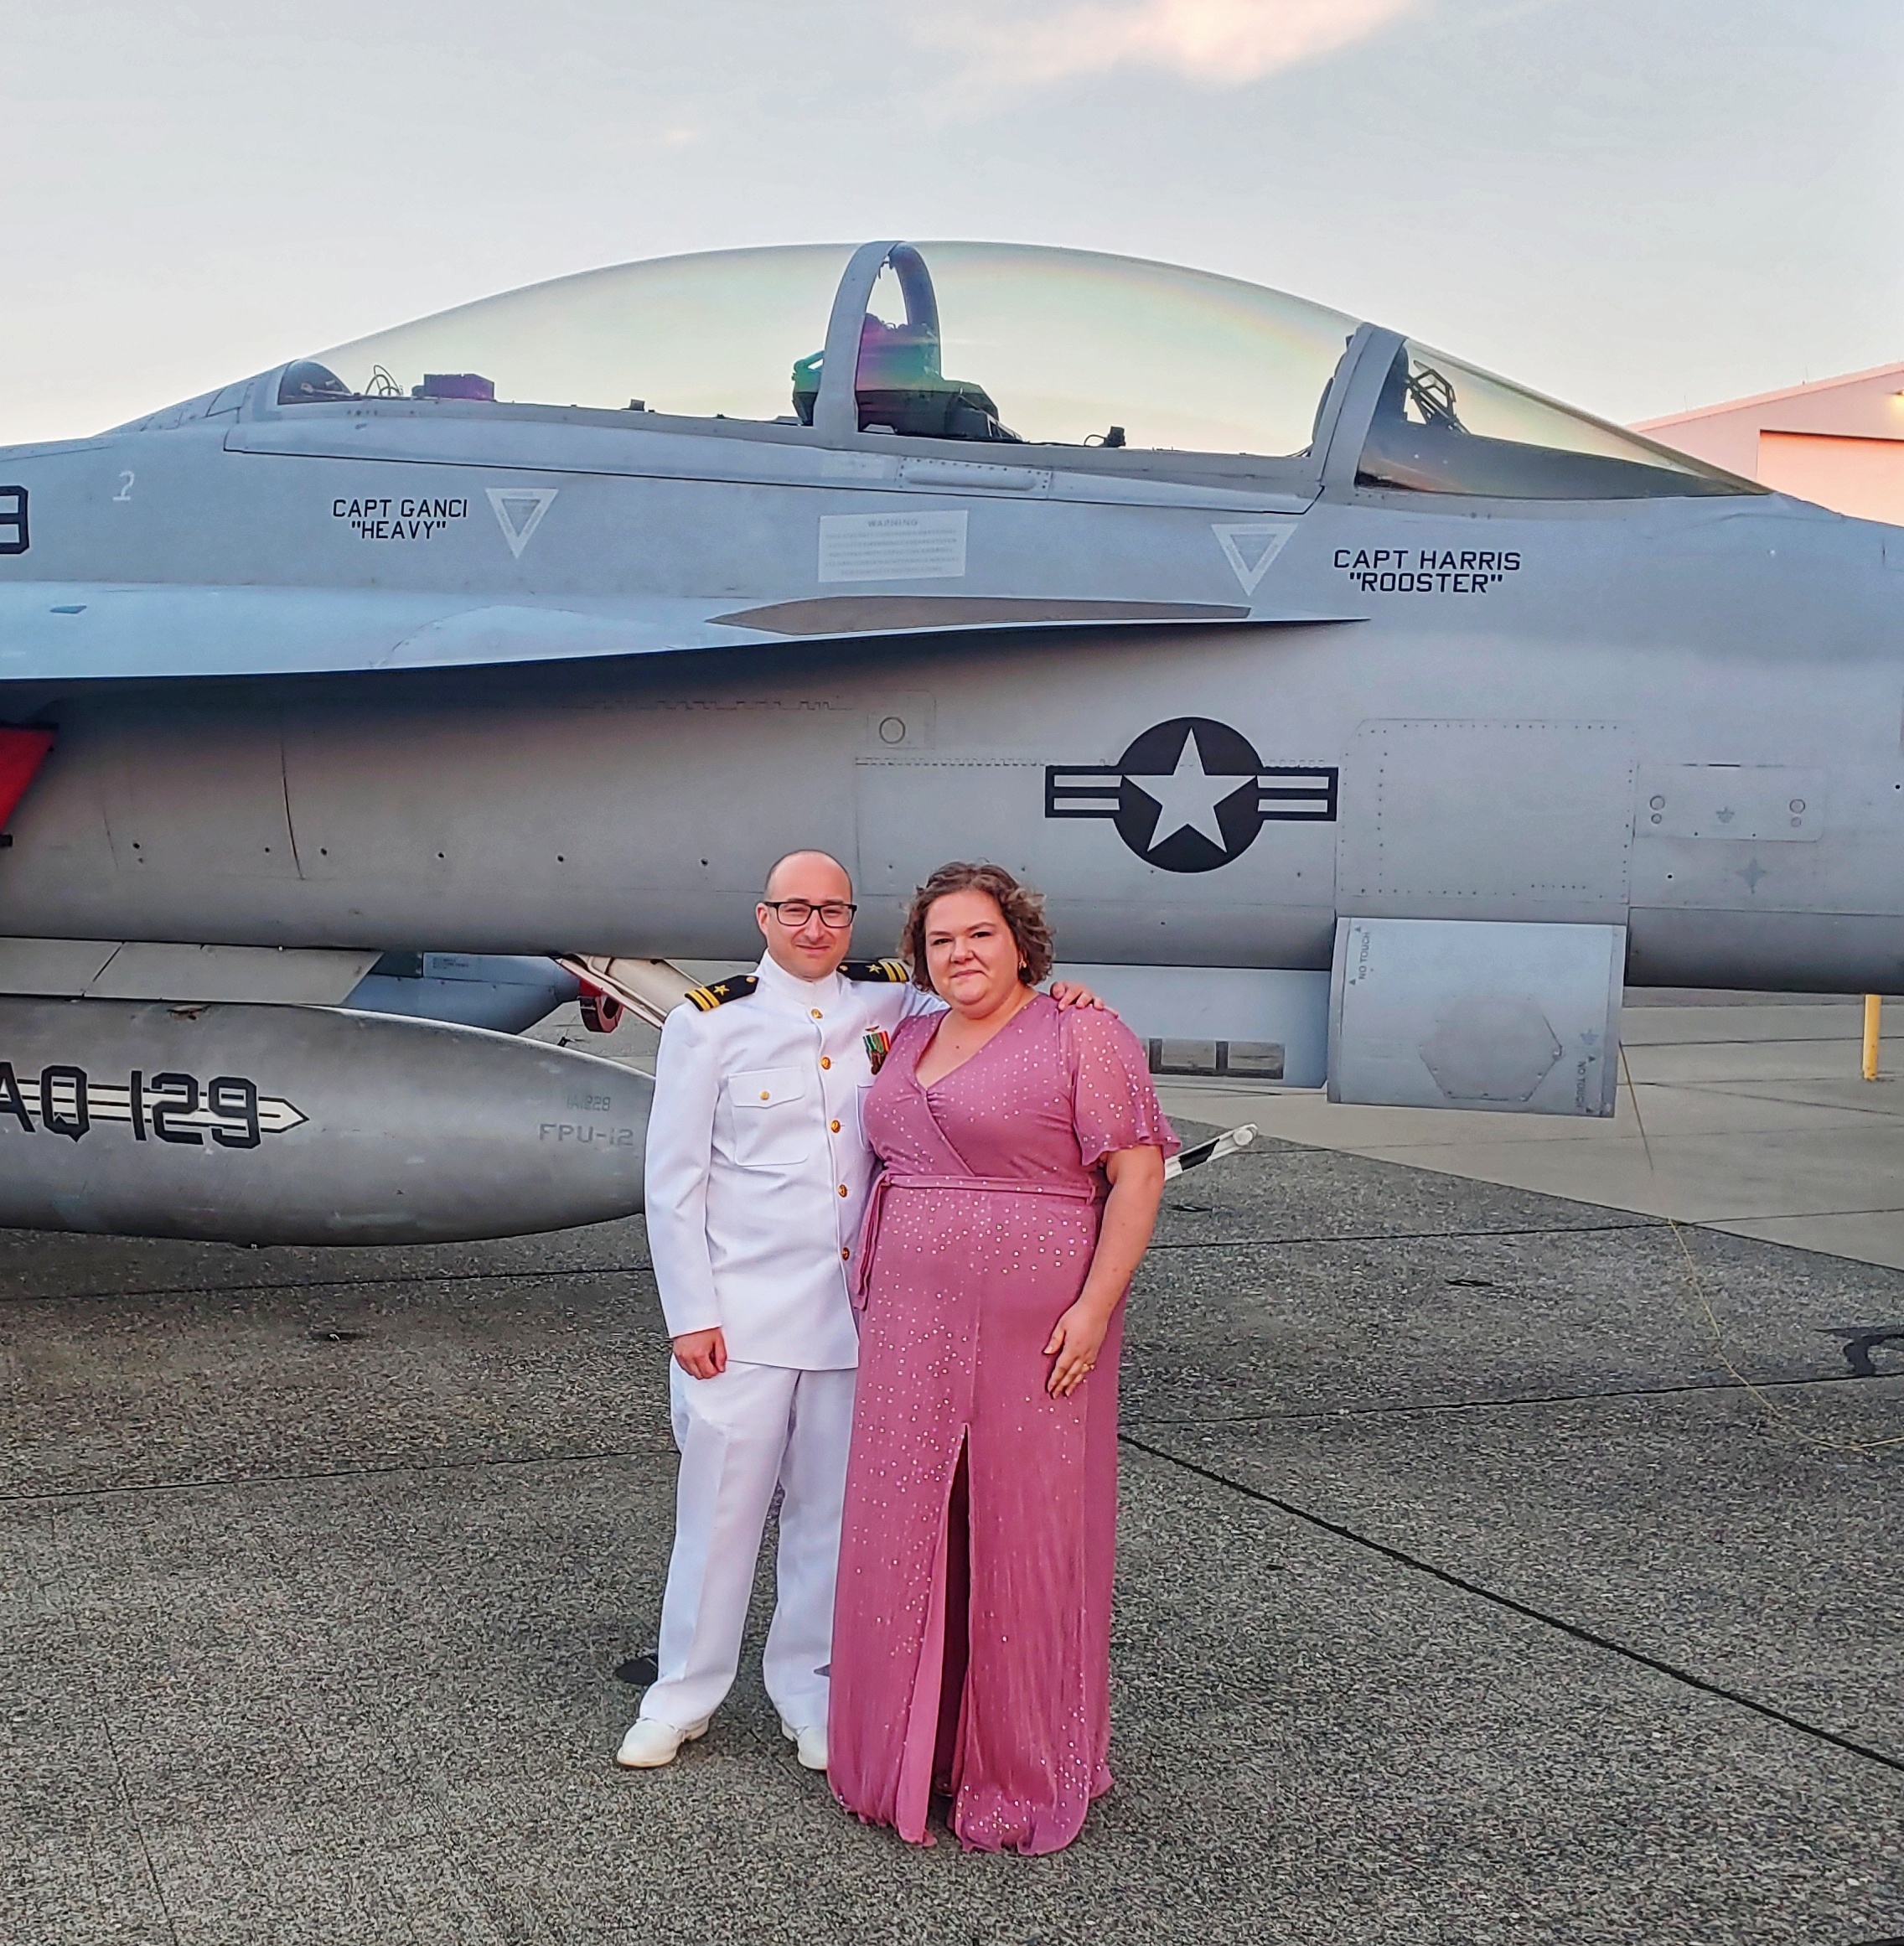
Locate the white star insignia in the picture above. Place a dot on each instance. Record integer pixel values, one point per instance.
(1187, 798)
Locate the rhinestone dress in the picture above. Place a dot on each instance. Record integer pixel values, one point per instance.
(971, 1646)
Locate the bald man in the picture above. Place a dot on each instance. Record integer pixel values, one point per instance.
(757, 1172)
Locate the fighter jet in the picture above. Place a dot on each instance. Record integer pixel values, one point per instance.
(1366, 717)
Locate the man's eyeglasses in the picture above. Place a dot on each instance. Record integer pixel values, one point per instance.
(793, 913)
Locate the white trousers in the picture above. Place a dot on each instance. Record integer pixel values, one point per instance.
(742, 1434)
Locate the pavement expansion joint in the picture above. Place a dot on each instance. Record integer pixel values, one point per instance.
(1591, 1636)
(139, 1830)
(1742, 1041)
(1733, 1091)
(393, 1280)
(1407, 1411)
(1793, 1216)
(207, 1482)
(122, 1783)
(1277, 1243)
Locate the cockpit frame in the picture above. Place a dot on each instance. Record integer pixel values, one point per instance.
(836, 409)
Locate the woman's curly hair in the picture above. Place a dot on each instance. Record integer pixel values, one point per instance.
(1021, 908)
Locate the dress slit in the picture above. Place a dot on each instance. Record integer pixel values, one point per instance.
(948, 1747)
(933, 1749)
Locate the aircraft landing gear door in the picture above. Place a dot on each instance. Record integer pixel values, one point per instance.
(1518, 1018)
(1483, 876)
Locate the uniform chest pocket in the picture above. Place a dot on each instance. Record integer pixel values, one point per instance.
(770, 1118)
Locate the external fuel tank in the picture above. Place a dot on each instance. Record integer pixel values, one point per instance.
(294, 1125)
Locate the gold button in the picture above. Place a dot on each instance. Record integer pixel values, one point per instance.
(835, 1127)
(825, 1061)
(845, 1257)
(818, 1015)
(765, 1096)
(842, 1188)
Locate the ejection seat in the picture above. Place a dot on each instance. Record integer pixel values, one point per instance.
(899, 385)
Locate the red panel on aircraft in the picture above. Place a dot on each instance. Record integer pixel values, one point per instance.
(22, 752)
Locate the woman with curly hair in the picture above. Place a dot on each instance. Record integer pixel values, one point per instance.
(1022, 1152)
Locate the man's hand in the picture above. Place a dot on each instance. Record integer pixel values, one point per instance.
(1069, 993)
(702, 1354)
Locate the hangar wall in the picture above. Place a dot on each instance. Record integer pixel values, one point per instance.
(1838, 441)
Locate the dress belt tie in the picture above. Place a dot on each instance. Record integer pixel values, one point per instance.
(885, 1183)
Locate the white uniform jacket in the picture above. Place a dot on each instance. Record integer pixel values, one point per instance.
(758, 1165)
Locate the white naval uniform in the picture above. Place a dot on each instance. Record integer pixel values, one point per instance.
(757, 1172)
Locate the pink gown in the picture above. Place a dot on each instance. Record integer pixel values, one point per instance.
(971, 1639)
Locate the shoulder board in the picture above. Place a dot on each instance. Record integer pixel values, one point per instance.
(886, 972)
(707, 998)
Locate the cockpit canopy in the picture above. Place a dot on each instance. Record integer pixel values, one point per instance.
(1001, 345)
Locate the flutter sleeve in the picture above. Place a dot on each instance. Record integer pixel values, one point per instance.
(1113, 1105)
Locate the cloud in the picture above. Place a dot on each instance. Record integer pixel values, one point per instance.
(1221, 43)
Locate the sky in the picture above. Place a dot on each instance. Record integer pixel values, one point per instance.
(1636, 205)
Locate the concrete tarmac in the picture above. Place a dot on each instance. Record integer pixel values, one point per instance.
(1495, 1567)
(1745, 1112)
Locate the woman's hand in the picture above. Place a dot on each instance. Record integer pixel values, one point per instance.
(1076, 1340)
(1129, 1214)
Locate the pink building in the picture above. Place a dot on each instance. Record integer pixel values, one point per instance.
(1839, 442)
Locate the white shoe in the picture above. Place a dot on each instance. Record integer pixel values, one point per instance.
(650, 1743)
(810, 1744)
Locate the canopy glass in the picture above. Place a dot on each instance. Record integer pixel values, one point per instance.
(713, 333)
(1069, 343)
(999, 345)
(1442, 426)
